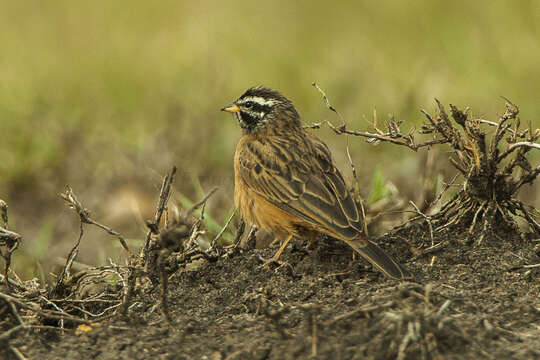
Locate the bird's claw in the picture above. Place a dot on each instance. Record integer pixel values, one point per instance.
(273, 260)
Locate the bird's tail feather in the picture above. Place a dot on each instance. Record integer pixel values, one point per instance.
(382, 261)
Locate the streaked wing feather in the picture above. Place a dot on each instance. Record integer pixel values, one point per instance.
(308, 186)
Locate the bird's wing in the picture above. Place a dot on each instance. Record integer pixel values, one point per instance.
(297, 175)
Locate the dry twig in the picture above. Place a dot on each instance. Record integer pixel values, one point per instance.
(84, 217)
(8, 239)
(493, 172)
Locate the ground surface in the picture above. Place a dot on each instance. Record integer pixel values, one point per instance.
(466, 303)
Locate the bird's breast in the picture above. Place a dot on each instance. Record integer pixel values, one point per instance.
(254, 208)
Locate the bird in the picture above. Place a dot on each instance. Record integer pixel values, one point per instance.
(287, 183)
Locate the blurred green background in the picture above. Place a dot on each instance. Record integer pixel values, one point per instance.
(107, 95)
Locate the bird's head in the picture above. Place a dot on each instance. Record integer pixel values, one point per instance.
(261, 108)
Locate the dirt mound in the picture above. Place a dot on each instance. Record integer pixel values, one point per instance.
(466, 302)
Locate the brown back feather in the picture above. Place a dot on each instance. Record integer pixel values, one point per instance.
(295, 172)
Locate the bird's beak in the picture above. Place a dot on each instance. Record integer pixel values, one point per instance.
(232, 108)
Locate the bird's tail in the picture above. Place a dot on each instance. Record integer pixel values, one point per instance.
(382, 261)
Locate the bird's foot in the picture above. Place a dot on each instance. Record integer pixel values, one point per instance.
(273, 260)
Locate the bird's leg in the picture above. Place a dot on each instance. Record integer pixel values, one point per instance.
(312, 239)
(277, 255)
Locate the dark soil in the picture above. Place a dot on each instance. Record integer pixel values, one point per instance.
(467, 302)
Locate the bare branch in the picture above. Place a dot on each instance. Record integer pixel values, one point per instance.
(393, 135)
(164, 196)
(202, 203)
(10, 240)
(84, 216)
(327, 103)
(385, 137)
(493, 123)
(427, 218)
(516, 146)
(218, 236)
(4, 213)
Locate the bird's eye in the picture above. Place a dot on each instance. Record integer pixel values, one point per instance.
(248, 104)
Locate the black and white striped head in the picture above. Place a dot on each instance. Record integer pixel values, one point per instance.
(260, 107)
